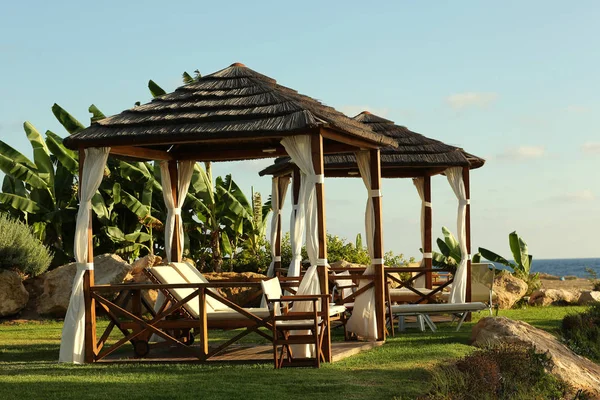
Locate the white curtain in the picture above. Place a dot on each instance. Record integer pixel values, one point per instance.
(278, 191)
(458, 293)
(363, 320)
(420, 185)
(72, 344)
(297, 227)
(299, 150)
(185, 170)
(184, 176)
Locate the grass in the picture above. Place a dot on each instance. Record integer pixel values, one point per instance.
(399, 369)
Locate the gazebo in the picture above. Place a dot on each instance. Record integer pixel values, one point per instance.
(417, 157)
(233, 114)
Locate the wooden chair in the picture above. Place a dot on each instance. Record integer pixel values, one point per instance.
(298, 328)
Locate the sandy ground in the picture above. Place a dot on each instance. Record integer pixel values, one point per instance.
(570, 283)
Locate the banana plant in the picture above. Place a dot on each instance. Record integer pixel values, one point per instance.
(450, 255)
(522, 259)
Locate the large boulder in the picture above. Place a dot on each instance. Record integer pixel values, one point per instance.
(588, 297)
(50, 292)
(578, 371)
(345, 264)
(546, 297)
(137, 275)
(13, 296)
(243, 296)
(508, 289)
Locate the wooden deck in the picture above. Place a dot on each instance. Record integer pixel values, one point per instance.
(235, 354)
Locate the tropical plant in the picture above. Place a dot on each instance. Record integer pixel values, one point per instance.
(522, 259)
(450, 255)
(20, 250)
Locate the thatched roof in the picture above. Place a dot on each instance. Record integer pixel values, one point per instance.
(233, 104)
(415, 155)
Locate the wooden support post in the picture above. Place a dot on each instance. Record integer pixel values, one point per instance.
(88, 282)
(467, 183)
(428, 222)
(380, 281)
(317, 158)
(203, 334)
(175, 246)
(277, 252)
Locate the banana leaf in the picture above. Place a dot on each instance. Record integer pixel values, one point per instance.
(68, 158)
(10, 153)
(69, 122)
(187, 78)
(21, 172)
(41, 154)
(97, 115)
(134, 205)
(491, 256)
(155, 90)
(21, 203)
(13, 186)
(520, 252)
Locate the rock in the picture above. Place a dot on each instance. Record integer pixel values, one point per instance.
(588, 297)
(137, 275)
(578, 371)
(243, 296)
(546, 297)
(145, 262)
(51, 291)
(345, 264)
(508, 289)
(13, 296)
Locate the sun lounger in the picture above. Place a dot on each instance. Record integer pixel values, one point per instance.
(218, 314)
(423, 311)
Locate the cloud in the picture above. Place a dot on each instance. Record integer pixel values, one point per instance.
(575, 197)
(577, 109)
(353, 110)
(523, 153)
(591, 148)
(460, 101)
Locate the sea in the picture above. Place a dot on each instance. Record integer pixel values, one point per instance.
(565, 266)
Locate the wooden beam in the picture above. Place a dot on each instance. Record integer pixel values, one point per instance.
(175, 246)
(380, 281)
(358, 142)
(229, 153)
(317, 158)
(467, 183)
(88, 282)
(141, 152)
(428, 222)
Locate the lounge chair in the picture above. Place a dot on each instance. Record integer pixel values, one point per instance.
(423, 311)
(482, 284)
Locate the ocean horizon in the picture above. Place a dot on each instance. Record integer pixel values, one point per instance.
(564, 266)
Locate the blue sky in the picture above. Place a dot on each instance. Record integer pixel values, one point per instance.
(514, 82)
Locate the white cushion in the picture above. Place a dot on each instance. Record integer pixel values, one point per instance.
(168, 275)
(192, 275)
(234, 315)
(272, 291)
(437, 308)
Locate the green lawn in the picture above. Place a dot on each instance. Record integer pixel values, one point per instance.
(400, 368)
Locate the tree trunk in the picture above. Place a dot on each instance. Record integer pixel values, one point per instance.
(217, 258)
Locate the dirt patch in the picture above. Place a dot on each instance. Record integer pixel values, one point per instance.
(570, 283)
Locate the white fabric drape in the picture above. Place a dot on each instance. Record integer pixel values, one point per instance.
(185, 169)
(297, 227)
(420, 185)
(299, 150)
(363, 321)
(278, 191)
(72, 344)
(458, 294)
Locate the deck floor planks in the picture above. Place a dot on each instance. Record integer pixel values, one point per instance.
(236, 354)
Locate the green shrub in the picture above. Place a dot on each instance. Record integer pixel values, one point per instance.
(20, 250)
(498, 372)
(581, 332)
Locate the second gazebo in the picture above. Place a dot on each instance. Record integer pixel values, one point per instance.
(417, 157)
